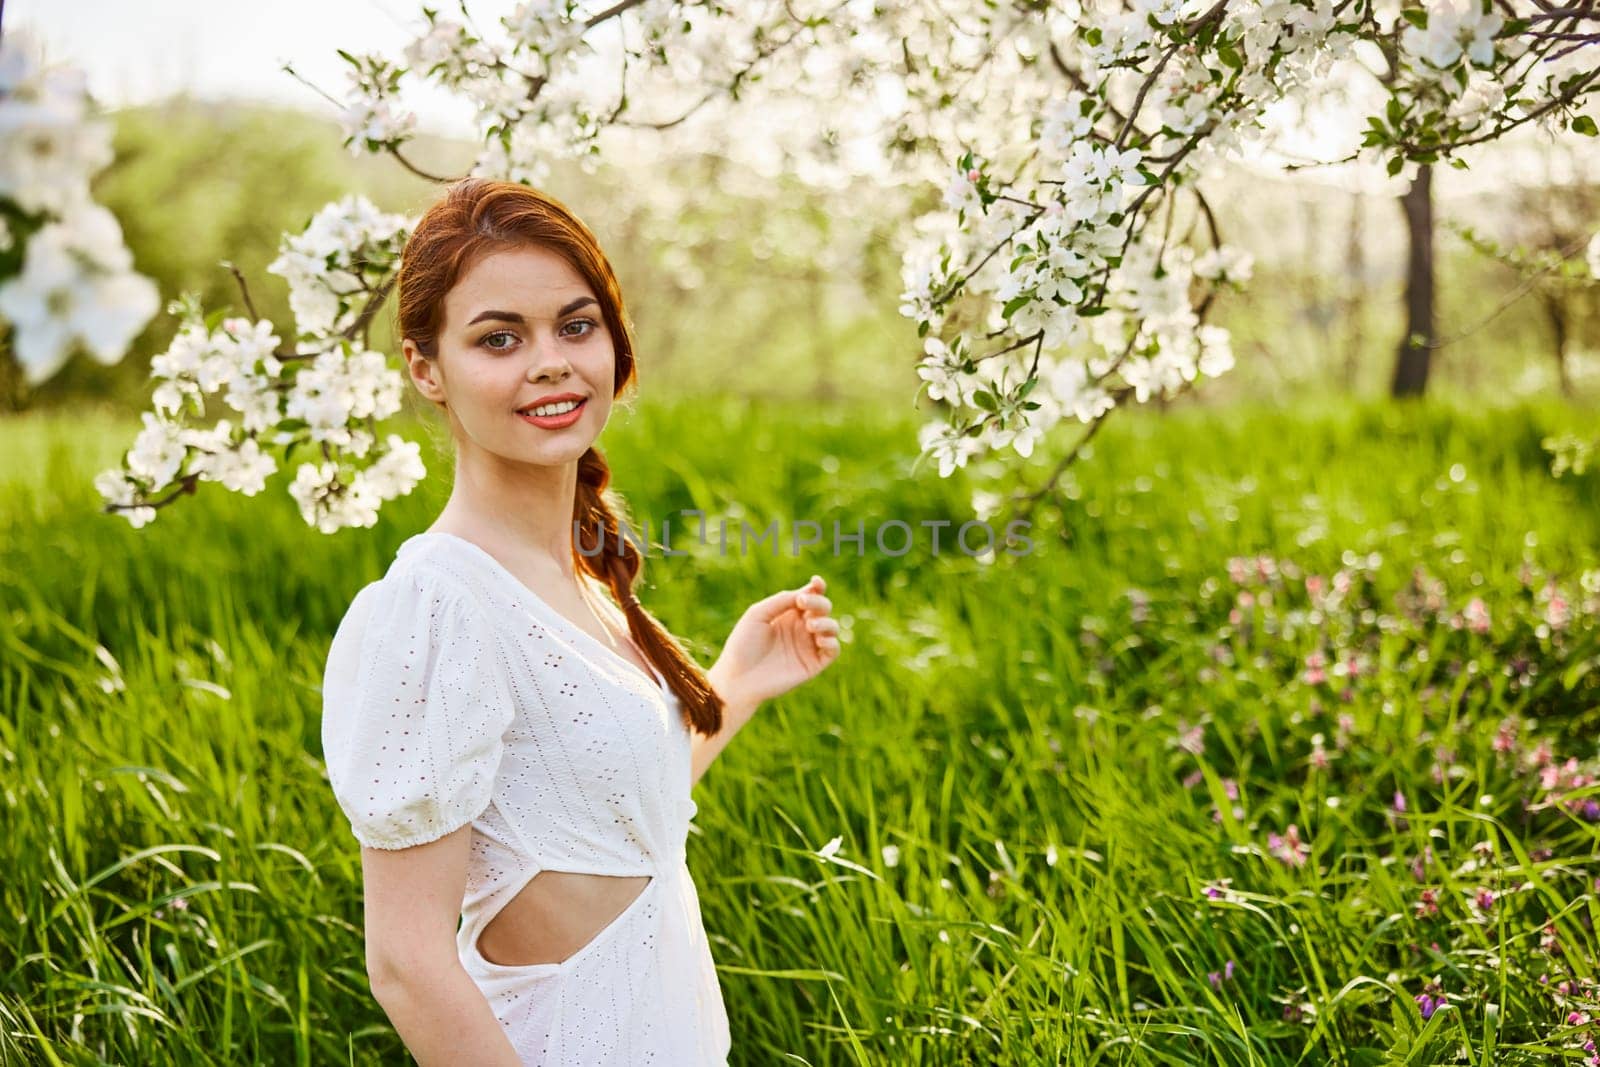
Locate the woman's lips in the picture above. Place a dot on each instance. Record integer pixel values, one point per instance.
(554, 422)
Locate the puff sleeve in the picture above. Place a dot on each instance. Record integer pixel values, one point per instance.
(415, 708)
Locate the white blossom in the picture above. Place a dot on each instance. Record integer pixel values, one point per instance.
(243, 470)
(550, 31)
(448, 53)
(1454, 27)
(367, 120)
(158, 452)
(49, 145)
(949, 448)
(324, 264)
(961, 194)
(1072, 388)
(119, 488)
(940, 369)
(75, 288)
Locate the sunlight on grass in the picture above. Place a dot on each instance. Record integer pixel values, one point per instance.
(1278, 749)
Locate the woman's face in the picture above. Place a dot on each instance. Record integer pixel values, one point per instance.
(522, 331)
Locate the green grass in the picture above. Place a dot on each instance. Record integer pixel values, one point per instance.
(1023, 730)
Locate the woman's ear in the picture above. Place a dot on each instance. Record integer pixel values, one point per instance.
(424, 372)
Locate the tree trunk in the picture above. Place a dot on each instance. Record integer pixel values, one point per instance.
(1558, 322)
(1353, 302)
(15, 393)
(1411, 362)
(824, 390)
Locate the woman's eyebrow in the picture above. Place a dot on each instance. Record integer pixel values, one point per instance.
(514, 317)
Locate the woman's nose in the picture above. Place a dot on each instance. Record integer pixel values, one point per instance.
(549, 363)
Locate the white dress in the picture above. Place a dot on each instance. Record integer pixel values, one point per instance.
(453, 694)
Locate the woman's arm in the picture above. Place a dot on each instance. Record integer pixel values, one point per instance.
(779, 642)
(736, 711)
(412, 902)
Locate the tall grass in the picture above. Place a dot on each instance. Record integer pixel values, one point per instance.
(1064, 781)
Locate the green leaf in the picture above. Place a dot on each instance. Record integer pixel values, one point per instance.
(1395, 163)
(1585, 125)
(1416, 16)
(1014, 304)
(985, 400)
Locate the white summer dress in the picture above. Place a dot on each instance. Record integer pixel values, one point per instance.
(453, 694)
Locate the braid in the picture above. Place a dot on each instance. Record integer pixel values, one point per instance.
(617, 562)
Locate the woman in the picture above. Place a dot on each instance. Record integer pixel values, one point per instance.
(511, 735)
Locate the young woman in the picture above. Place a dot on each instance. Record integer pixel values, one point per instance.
(510, 733)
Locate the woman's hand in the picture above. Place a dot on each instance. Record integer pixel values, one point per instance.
(778, 643)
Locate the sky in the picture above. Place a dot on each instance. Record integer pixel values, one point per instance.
(136, 53)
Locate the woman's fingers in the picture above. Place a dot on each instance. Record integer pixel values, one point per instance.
(814, 603)
(815, 607)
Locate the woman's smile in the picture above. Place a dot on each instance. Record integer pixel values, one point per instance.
(557, 414)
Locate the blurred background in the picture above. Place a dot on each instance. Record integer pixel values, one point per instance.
(743, 279)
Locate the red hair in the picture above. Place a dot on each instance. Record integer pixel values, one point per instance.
(475, 217)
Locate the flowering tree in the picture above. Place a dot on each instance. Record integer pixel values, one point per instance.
(328, 389)
(1068, 271)
(65, 275)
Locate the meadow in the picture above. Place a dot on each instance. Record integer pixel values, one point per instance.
(1278, 748)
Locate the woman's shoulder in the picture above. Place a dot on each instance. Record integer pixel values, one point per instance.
(417, 614)
(419, 583)
(444, 565)
(426, 569)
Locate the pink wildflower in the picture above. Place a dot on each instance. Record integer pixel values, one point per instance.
(1289, 848)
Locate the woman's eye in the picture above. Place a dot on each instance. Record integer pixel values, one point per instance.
(579, 322)
(498, 333)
